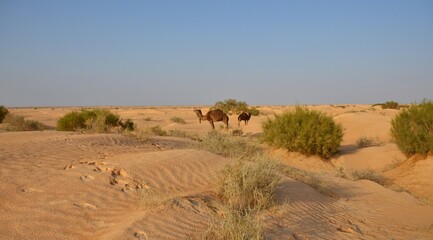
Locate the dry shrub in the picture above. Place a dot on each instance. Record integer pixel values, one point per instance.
(369, 174)
(18, 123)
(235, 225)
(246, 186)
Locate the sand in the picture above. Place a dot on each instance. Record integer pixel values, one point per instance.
(65, 185)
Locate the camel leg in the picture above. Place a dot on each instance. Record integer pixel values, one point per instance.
(211, 123)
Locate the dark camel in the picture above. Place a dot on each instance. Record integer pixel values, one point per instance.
(213, 116)
(244, 117)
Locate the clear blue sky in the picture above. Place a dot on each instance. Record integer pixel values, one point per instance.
(61, 53)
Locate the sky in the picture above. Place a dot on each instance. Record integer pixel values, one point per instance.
(147, 53)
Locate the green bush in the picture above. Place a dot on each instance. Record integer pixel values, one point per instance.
(3, 112)
(306, 131)
(98, 120)
(231, 106)
(128, 125)
(412, 129)
(18, 123)
(72, 121)
(390, 105)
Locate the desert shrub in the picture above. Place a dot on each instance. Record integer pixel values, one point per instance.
(232, 106)
(369, 174)
(177, 120)
(157, 130)
(229, 146)
(127, 125)
(18, 123)
(71, 122)
(390, 105)
(98, 120)
(364, 142)
(235, 226)
(306, 131)
(246, 186)
(412, 129)
(3, 112)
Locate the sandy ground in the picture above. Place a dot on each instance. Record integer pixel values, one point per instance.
(64, 185)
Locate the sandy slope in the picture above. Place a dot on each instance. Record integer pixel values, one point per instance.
(60, 185)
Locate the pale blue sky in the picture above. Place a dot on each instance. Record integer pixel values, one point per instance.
(62, 53)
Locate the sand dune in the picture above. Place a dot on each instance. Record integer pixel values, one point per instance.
(63, 185)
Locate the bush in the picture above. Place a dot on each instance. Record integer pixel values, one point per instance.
(18, 123)
(246, 187)
(231, 106)
(3, 113)
(364, 142)
(177, 120)
(390, 105)
(98, 120)
(412, 129)
(71, 122)
(128, 125)
(306, 131)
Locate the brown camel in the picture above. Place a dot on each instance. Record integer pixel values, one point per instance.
(213, 116)
(244, 116)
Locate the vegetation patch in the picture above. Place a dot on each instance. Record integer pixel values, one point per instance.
(369, 174)
(177, 120)
(229, 146)
(235, 225)
(232, 106)
(412, 129)
(364, 142)
(306, 131)
(246, 186)
(97, 120)
(311, 179)
(18, 123)
(3, 112)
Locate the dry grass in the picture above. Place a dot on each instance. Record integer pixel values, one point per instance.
(369, 174)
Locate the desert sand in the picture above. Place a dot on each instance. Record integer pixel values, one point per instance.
(67, 185)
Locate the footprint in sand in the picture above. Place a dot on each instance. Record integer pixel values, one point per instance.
(85, 205)
(87, 178)
(101, 224)
(141, 235)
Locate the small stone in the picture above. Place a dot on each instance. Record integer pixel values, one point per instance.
(31, 190)
(345, 229)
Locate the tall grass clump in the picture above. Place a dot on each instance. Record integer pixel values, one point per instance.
(246, 186)
(306, 131)
(235, 226)
(3, 112)
(98, 120)
(412, 129)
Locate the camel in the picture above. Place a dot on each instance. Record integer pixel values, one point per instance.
(244, 116)
(213, 116)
